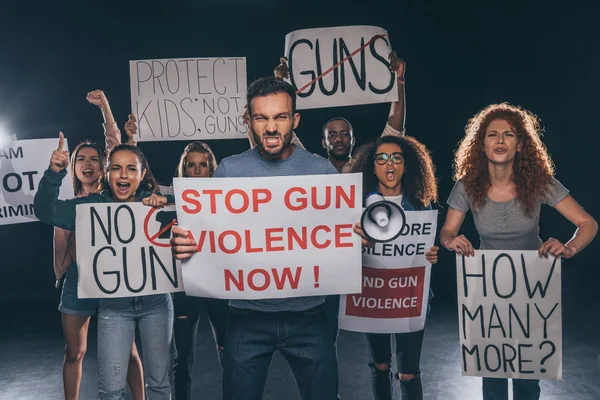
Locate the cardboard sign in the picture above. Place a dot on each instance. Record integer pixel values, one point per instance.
(189, 98)
(509, 310)
(22, 165)
(340, 66)
(271, 237)
(395, 282)
(123, 250)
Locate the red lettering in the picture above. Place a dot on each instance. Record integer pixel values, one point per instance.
(251, 283)
(230, 278)
(186, 196)
(270, 238)
(339, 235)
(211, 235)
(238, 242)
(313, 237)
(213, 199)
(201, 241)
(301, 202)
(327, 203)
(256, 200)
(245, 201)
(300, 241)
(348, 199)
(286, 275)
(249, 248)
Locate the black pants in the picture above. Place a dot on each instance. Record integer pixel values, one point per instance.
(523, 389)
(408, 356)
(184, 335)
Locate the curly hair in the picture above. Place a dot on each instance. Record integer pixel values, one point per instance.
(77, 185)
(148, 183)
(418, 182)
(198, 147)
(532, 169)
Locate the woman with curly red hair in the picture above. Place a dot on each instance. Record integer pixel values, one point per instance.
(504, 174)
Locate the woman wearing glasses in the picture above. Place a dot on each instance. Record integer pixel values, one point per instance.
(400, 169)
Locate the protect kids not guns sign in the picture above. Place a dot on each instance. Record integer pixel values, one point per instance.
(189, 98)
(271, 237)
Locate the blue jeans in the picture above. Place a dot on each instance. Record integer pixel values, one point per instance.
(117, 319)
(523, 389)
(303, 338)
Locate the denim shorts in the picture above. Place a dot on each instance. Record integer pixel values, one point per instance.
(69, 303)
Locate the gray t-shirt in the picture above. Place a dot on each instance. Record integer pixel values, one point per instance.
(504, 225)
(251, 164)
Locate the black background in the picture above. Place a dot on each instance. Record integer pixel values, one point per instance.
(460, 55)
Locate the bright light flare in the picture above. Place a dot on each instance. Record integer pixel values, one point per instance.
(5, 138)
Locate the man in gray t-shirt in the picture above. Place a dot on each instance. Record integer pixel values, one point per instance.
(297, 327)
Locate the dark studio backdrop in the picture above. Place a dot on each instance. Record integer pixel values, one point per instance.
(460, 56)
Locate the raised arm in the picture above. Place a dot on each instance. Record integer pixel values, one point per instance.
(131, 130)
(395, 123)
(282, 72)
(48, 208)
(112, 134)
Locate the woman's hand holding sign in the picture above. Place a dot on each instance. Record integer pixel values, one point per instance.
(364, 240)
(461, 245)
(155, 200)
(556, 248)
(182, 245)
(60, 157)
(432, 254)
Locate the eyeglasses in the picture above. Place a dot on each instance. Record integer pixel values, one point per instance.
(382, 158)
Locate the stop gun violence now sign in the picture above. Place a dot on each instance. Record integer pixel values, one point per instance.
(271, 237)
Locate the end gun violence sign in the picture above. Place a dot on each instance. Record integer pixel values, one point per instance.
(189, 98)
(22, 165)
(341, 66)
(271, 237)
(123, 250)
(395, 281)
(509, 312)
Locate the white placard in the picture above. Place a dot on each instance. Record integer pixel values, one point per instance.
(271, 237)
(22, 165)
(340, 66)
(395, 286)
(189, 98)
(509, 311)
(123, 250)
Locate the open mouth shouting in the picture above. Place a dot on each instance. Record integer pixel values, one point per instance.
(123, 187)
(390, 173)
(500, 150)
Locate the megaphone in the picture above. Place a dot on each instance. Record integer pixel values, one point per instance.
(382, 220)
